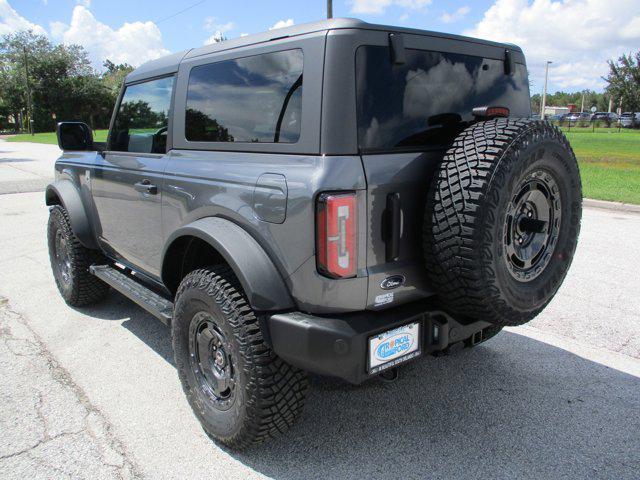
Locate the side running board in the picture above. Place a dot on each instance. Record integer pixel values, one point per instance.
(149, 300)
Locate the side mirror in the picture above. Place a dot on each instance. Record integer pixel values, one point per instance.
(74, 136)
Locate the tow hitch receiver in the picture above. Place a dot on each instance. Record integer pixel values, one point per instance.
(346, 346)
(476, 338)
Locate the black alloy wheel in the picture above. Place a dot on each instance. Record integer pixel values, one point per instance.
(211, 360)
(531, 226)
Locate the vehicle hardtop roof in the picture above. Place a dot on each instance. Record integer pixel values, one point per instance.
(169, 64)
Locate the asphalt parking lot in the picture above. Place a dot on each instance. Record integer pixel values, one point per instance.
(93, 393)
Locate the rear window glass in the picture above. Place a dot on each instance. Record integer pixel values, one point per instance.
(426, 101)
(251, 99)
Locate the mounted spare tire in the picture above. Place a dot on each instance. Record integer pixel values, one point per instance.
(502, 220)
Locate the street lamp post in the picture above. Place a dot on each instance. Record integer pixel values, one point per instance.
(329, 8)
(544, 92)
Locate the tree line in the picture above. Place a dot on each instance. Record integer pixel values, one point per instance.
(42, 83)
(622, 90)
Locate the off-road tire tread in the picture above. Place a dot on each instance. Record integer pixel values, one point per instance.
(87, 289)
(276, 391)
(469, 181)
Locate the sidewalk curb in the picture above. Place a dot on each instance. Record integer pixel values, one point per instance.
(615, 206)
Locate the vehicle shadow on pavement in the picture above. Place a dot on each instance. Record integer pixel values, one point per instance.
(142, 324)
(513, 407)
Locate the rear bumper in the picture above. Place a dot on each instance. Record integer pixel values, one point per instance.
(337, 345)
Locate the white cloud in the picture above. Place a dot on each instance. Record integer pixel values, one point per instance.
(132, 43)
(244, 34)
(12, 22)
(456, 16)
(577, 35)
(212, 24)
(218, 29)
(57, 29)
(217, 37)
(84, 3)
(379, 6)
(282, 23)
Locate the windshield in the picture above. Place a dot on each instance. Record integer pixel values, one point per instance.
(426, 101)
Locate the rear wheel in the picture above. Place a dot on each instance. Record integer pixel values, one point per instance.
(502, 220)
(70, 262)
(241, 392)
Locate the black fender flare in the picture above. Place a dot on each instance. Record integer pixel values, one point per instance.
(262, 283)
(66, 193)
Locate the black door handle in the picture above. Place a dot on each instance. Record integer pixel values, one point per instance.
(145, 187)
(392, 227)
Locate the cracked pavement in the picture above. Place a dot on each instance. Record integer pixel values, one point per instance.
(46, 418)
(93, 392)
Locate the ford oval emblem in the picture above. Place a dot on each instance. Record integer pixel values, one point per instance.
(394, 281)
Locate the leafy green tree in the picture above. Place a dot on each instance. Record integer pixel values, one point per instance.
(114, 75)
(45, 83)
(562, 99)
(624, 81)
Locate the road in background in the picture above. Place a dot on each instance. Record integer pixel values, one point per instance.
(26, 167)
(93, 393)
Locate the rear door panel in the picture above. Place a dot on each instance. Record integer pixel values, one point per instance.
(408, 114)
(408, 176)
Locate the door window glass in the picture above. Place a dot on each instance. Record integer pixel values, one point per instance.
(250, 99)
(142, 119)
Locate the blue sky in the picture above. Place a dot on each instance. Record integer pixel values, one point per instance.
(578, 35)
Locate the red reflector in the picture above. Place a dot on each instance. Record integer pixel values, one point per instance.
(336, 234)
(491, 112)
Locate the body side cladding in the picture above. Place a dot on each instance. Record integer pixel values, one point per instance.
(65, 193)
(264, 287)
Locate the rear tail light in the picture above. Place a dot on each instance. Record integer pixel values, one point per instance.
(336, 234)
(490, 112)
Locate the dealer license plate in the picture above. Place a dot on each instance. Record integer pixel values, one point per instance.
(390, 348)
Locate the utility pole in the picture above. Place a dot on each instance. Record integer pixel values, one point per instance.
(329, 8)
(26, 78)
(544, 92)
(582, 107)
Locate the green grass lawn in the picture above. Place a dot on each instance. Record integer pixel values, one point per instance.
(50, 137)
(609, 160)
(609, 163)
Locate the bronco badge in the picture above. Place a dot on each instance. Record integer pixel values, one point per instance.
(392, 282)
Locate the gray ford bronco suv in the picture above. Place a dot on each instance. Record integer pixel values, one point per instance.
(336, 198)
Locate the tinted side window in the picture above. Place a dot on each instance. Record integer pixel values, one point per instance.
(141, 122)
(251, 99)
(429, 99)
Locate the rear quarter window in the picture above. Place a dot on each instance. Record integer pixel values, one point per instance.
(426, 101)
(250, 99)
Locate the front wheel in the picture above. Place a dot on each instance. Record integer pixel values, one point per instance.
(241, 392)
(70, 262)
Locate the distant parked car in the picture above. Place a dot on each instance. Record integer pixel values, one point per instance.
(604, 117)
(630, 119)
(576, 117)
